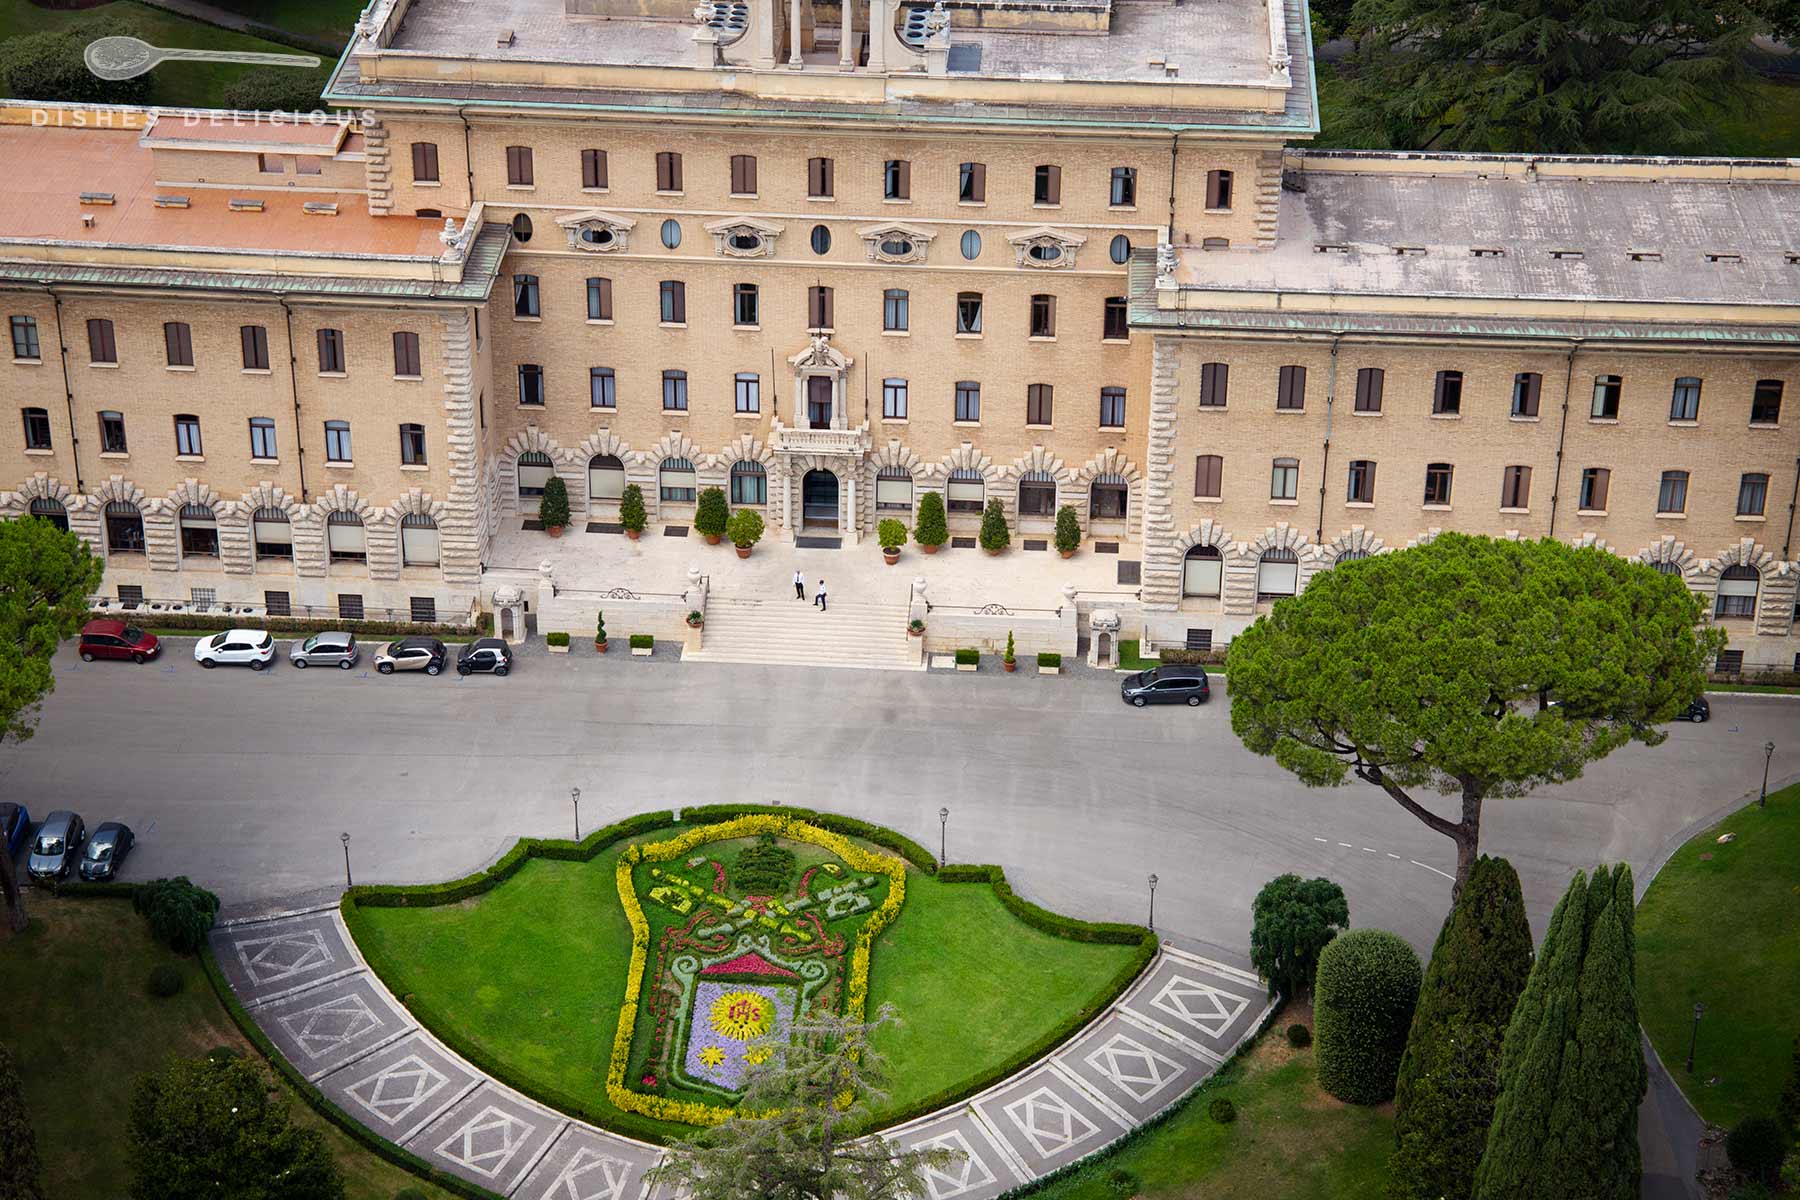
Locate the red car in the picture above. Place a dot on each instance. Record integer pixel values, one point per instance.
(116, 639)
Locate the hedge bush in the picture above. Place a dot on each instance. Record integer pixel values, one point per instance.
(1068, 530)
(1756, 1146)
(880, 835)
(164, 981)
(179, 912)
(1049, 658)
(968, 658)
(1222, 1111)
(930, 527)
(631, 509)
(553, 505)
(711, 513)
(1368, 984)
(643, 641)
(556, 638)
(214, 622)
(1299, 1036)
(1109, 932)
(1175, 656)
(994, 533)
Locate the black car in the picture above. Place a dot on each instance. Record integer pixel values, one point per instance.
(106, 848)
(1166, 685)
(488, 654)
(1698, 711)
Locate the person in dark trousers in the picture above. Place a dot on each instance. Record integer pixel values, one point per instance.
(799, 586)
(819, 599)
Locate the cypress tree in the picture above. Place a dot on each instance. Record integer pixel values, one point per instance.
(1450, 1075)
(19, 1168)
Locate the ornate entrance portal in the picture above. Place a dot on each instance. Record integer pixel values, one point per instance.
(819, 457)
(819, 500)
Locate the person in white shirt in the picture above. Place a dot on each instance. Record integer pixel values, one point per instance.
(819, 598)
(799, 586)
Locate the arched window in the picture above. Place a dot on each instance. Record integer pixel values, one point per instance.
(344, 538)
(966, 491)
(124, 528)
(1278, 574)
(1037, 494)
(1352, 555)
(199, 532)
(606, 477)
(1107, 498)
(1202, 571)
(535, 469)
(272, 534)
(894, 489)
(677, 481)
(1737, 592)
(418, 540)
(51, 511)
(1666, 567)
(749, 483)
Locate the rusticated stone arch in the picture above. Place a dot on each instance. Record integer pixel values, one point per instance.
(993, 476)
(199, 495)
(603, 442)
(1110, 461)
(116, 487)
(415, 502)
(1355, 540)
(1776, 585)
(529, 439)
(1667, 549)
(268, 495)
(674, 444)
(1589, 540)
(1424, 539)
(341, 498)
(40, 487)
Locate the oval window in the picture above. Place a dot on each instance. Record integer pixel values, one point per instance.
(746, 241)
(896, 247)
(1046, 252)
(821, 239)
(521, 226)
(597, 235)
(671, 233)
(1121, 249)
(971, 244)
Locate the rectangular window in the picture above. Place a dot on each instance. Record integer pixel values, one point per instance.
(254, 340)
(1369, 382)
(971, 183)
(1037, 498)
(1515, 487)
(599, 299)
(1046, 185)
(412, 445)
(178, 343)
(269, 164)
(424, 162)
(262, 438)
(593, 169)
(1607, 391)
(750, 484)
(101, 346)
(525, 296)
(37, 428)
(1284, 479)
(1684, 404)
(1043, 315)
(895, 317)
(673, 296)
(1526, 385)
(1753, 494)
(668, 171)
(893, 399)
(1112, 408)
(531, 385)
(1765, 401)
(1594, 482)
(1446, 394)
(1671, 494)
(1209, 472)
(1114, 326)
(896, 179)
(894, 490)
(1039, 400)
(279, 604)
(518, 166)
(1124, 187)
(423, 609)
(968, 312)
(675, 396)
(968, 400)
(25, 338)
(1218, 189)
(331, 352)
(1290, 389)
(821, 180)
(1361, 484)
(187, 435)
(337, 441)
(745, 309)
(743, 174)
(350, 606)
(112, 433)
(406, 354)
(747, 386)
(1437, 483)
(1215, 381)
(818, 308)
(602, 388)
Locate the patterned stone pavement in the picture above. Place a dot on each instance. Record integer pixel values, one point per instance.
(304, 983)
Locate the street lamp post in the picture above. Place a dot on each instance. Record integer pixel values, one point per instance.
(943, 835)
(575, 799)
(1768, 754)
(345, 838)
(1694, 1037)
(1152, 902)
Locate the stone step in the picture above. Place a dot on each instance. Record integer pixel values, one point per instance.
(868, 636)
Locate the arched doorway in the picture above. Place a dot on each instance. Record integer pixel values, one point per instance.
(819, 500)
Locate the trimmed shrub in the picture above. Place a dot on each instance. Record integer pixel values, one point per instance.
(556, 639)
(1009, 647)
(164, 981)
(710, 514)
(763, 868)
(967, 657)
(1179, 657)
(553, 507)
(1299, 1036)
(631, 509)
(1292, 920)
(1068, 530)
(643, 641)
(1048, 658)
(274, 89)
(745, 528)
(1756, 1145)
(179, 912)
(929, 527)
(994, 533)
(600, 626)
(150, 618)
(1363, 1000)
(1222, 1111)
(891, 534)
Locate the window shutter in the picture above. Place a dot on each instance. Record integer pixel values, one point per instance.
(978, 182)
(905, 173)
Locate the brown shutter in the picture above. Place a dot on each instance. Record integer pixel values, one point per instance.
(606, 311)
(593, 169)
(905, 173)
(818, 177)
(978, 183)
(743, 173)
(1208, 471)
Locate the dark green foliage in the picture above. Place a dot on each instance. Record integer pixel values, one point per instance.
(46, 576)
(710, 514)
(1299, 1036)
(164, 981)
(1571, 1066)
(929, 527)
(221, 1053)
(553, 506)
(1450, 1075)
(643, 641)
(631, 509)
(1068, 530)
(764, 868)
(1751, 1191)
(1292, 920)
(49, 66)
(1787, 1109)
(600, 627)
(213, 623)
(206, 1127)
(745, 528)
(1363, 1002)
(179, 912)
(1222, 1111)
(1049, 658)
(967, 657)
(20, 1171)
(556, 637)
(994, 534)
(1756, 1146)
(891, 534)
(1009, 646)
(275, 89)
(1180, 656)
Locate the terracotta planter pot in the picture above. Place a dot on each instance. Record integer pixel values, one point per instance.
(890, 557)
(632, 534)
(695, 624)
(1066, 553)
(553, 530)
(600, 647)
(742, 551)
(929, 549)
(993, 554)
(915, 632)
(1010, 666)
(712, 539)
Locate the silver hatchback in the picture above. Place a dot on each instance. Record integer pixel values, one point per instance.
(333, 649)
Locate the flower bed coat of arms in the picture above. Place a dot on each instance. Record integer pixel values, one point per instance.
(737, 928)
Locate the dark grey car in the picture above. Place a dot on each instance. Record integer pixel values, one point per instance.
(334, 649)
(106, 848)
(1165, 685)
(59, 840)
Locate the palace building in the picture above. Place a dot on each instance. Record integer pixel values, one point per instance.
(831, 256)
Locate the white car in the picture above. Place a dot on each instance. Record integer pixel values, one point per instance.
(252, 648)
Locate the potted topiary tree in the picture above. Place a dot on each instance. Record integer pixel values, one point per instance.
(930, 530)
(916, 627)
(631, 511)
(745, 529)
(1068, 531)
(1009, 662)
(892, 535)
(695, 619)
(553, 508)
(600, 631)
(995, 537)
(710, 515)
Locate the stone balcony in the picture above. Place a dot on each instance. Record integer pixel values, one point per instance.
(853, 442)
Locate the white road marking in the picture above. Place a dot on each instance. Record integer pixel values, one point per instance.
(1415, 862)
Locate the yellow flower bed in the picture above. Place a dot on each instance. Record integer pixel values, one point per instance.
(754, 825)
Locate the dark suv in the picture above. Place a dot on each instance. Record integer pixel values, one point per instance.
(1165, 685)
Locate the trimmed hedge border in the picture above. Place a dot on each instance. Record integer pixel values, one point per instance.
(881, 835)
(1042, 918)
(213, 622)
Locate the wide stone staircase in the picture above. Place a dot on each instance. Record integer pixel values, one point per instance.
(870, 636)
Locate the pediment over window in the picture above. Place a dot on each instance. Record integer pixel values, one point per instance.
(597, 231)
(1046, 248)
(896, 242)
(821, 355)
(744, 237)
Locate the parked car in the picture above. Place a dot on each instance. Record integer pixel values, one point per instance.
(1166, 685)
(412, 654)
(15, 823)
(1699, 710)
(106, 638)
(488, 654)
(59, 840)
(107, 847)
(333, 649)
(252, 648)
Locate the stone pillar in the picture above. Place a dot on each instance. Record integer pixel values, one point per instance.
(852, 527)
(787, 501)
(794, 34)
(847, 37)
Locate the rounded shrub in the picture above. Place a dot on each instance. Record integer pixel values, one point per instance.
(179, 912)
(1299, 1036)
(1363, 1002)
(1222, 1110)
(165, 980)
(1756, 1145)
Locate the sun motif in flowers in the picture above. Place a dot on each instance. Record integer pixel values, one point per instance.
(712, 1056)
(742, 1016)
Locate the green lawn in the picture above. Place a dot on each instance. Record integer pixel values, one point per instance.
(1290, 1141)
(532, 975)
(1720, 926)
(82, 1027)
(326, 20)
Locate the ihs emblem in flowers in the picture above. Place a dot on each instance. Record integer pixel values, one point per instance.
(742, 1016)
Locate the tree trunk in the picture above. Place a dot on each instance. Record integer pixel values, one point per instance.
(15, 895)
(1467, 836)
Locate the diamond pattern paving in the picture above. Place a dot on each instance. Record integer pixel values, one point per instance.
(284, 956)
(591, 1175)
(330, 1026)
(1200, 1004)
(969, 1173)
(488, 1141)
(1050, 1122)
(1136, 1069)
(398, 1089)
